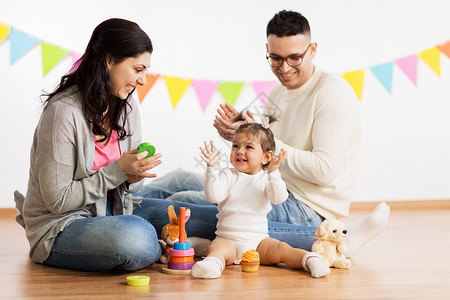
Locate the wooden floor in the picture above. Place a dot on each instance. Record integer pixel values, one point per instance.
(409, 260)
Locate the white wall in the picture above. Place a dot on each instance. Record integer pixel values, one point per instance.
(406, 139)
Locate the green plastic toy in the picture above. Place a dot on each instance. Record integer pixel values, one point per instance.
(146, 147)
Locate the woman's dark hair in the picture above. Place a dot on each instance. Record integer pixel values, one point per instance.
(259, 132)
(287, 23)
(117, 39)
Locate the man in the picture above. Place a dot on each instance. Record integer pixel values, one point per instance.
(320, 129)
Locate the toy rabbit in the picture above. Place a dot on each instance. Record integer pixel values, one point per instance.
(170, 232)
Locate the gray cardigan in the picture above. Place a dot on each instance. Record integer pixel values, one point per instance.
(62, 187)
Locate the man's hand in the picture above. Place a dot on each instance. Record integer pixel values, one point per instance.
(224, 121)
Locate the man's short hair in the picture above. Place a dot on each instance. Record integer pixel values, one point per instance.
(287, 23)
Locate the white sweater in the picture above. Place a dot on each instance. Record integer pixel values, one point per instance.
(320, 129)
(244, 201)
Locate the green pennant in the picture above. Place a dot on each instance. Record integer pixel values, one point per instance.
(51, 56)
(230, 90)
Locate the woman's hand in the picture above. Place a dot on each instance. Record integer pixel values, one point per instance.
(276, 161)
(134, 178)
(136, 166)
(210, 155)
(224, 121)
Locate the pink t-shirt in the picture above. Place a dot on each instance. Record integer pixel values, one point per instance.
(106, 154)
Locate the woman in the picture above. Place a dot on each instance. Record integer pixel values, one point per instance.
(77, 212)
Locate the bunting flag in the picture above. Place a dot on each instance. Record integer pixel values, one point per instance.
(143, 90)
(204, 89)
(445, 48)
(230, 90)
(262, 89)
(51, 56)
(75, 57)
(408, 65)
(4, 31)
(356, 80)
(176, 87)
(432, 57)
(384, 74)
(21, 43)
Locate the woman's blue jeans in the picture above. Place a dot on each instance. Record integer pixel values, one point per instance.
(124, 242)
(292, 222)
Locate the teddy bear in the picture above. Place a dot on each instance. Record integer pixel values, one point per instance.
(330, 244)
(170, 232)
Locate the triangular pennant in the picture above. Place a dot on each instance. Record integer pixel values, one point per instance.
(4, 31)
(356, 80)
(230, 90)
(262, 89)
(384, 74)
(445, 48)
(432, 57)
(51, 56)
(21, 43)
(204, 90)
(176, 87)
(408, 65)
(75, 57)
(143, 90)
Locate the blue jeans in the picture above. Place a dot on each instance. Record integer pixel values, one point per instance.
(125, 242)
(292, 222)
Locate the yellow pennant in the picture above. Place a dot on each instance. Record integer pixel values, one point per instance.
(432, 57)
(4, 31)
(176, 87)
(356, 80)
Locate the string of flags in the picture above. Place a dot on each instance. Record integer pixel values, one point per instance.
(408, 64)
(21, 43)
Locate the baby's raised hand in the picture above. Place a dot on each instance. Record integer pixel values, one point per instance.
(276, 161)
(210, 155)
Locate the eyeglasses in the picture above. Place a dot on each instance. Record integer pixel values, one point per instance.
(292, 60)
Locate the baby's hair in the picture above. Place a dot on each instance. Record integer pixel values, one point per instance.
(259, 132)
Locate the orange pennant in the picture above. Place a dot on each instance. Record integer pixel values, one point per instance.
(143, 90)
(445, 48)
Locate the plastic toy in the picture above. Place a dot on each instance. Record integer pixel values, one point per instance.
(171, 232)
(138, 280)
(330, 244)
(180, 256)
(146, 147)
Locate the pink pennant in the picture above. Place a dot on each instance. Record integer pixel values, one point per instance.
(204, 90)
(409, 67)
(75, 57)
(262, 89)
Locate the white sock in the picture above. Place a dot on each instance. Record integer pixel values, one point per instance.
(210, 267)
(315, 265)
(362, 231)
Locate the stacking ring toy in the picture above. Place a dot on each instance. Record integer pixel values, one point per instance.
(146, 147)
(138, 280)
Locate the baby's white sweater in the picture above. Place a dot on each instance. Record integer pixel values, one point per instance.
(244, 201)
(320, 129)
